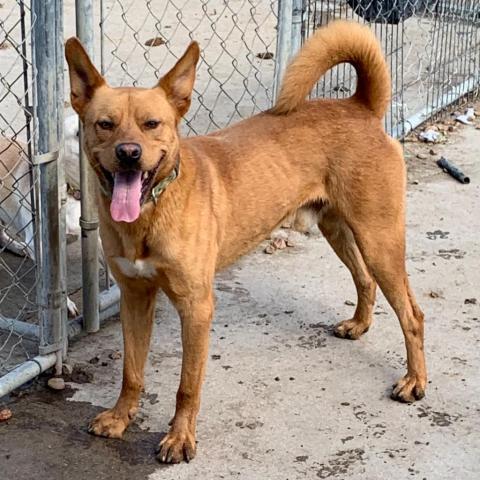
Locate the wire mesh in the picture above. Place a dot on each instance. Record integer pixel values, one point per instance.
(431, 47)
(140, 40)
(18, 273)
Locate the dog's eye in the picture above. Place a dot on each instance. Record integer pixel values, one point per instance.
(105, 124)
(151, 124)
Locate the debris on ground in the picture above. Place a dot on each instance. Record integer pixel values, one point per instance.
(279, 240)
(265, 55)
(155, 42)
(430, 135)
(452, 170)
(5, 414)
(467, 118)
(470, 301)
(116, 355)
(82, 373)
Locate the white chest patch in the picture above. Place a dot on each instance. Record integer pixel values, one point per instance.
(137, 269)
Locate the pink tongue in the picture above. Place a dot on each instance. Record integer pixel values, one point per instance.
(127, 190)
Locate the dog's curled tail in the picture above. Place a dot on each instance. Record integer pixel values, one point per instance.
(339, 42)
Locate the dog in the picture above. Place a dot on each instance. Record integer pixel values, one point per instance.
(174, 211)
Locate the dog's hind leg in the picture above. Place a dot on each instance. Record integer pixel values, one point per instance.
(341, 239)
(382, 243)
(137, 308)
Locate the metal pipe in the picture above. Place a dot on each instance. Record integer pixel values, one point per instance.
(284, 41)
(452, 170)
(23, 329)
(447, 99)
(109, 302)
(297, 23)
(62, 183)
(25, 372)
(89, 215)
(47, 146)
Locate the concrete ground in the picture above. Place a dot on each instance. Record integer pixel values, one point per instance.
(283, 398)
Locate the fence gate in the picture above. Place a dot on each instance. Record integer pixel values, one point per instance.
(32, 230)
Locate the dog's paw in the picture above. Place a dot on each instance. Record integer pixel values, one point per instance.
(351, 329)
(409, 389)
(72, 308)
(176, 447)
(108, 424)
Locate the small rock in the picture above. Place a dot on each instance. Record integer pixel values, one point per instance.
(422, 156)
(115, 355)
(433, 152)
(5, 414)
(279, 243)
(470, 301)
(269, 249)
(277, 379)
(216, 357)
(451, 128)
(477, 127)
(67, 369)
(433, 294)
(56, 383)
(94, 360)
(349, 303)
(290, 243)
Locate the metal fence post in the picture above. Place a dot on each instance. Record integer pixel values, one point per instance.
(46, 56)
(284, 41)
(89, 215)
(297, 23)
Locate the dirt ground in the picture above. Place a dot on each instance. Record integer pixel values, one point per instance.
(283, 398)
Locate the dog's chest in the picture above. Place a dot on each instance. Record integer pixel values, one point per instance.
(140, 268)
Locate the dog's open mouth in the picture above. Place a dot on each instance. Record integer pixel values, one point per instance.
(130, 189)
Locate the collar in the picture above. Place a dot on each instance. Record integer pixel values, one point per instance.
(157, 190)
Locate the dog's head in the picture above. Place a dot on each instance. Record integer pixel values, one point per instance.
(130, 134)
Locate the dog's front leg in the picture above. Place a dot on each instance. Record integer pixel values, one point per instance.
(137, 308)
(196, 316)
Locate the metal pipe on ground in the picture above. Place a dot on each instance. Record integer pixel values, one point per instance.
(25, 372)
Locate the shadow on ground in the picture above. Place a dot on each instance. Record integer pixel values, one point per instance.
(47, 438)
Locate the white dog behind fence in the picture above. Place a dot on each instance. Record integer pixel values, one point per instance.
(16, 221)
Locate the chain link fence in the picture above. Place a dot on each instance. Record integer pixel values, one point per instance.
(431, 46)
(18, 265)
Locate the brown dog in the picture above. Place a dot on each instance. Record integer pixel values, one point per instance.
(173, 211)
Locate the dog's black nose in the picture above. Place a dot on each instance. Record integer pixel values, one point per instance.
(128, 153)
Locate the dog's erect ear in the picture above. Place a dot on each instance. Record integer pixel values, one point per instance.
(178, 82)
(84, 77)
